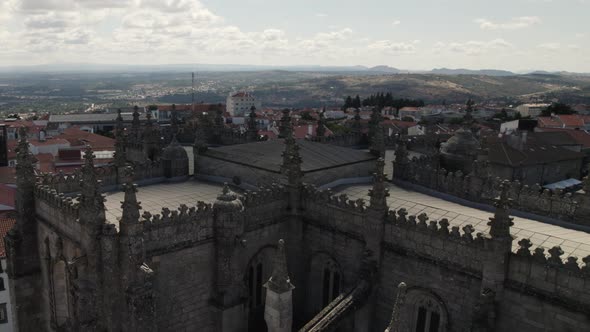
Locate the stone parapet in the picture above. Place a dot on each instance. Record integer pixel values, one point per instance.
(479, 187)
(174, 229)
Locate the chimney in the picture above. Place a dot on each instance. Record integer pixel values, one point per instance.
(41, 135)
(310, 130)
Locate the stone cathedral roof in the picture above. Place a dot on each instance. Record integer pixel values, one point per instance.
(268, 155)
(573, 242)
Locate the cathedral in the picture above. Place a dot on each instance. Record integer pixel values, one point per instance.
(289, 235)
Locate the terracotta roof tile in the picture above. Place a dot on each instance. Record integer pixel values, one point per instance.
(6, 224)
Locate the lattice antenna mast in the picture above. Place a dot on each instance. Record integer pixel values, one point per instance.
(193, 92)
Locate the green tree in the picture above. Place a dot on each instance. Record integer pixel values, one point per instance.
(306, 116)
(557, 108)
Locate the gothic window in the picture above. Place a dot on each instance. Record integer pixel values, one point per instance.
(2, 287)
(60, 292)
(428, 312)
(3, 313)
(331, 283)
(257, 274)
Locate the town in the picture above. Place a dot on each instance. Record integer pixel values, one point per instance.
(457, 153)
(281, 166)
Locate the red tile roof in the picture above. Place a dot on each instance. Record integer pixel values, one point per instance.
(49, 141)
(564, 121)
(78, 137)
(45, 162)
(8, 175)
(6, 224)
(580, 136)
(7, 195)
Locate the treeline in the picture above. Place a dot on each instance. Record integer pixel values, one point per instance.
(381, 100)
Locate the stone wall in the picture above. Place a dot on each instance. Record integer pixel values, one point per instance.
(185, 284)
(110, 177)
(230, 170)
(458, 291)
(480, 187)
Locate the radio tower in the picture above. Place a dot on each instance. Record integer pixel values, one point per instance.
(193, 93)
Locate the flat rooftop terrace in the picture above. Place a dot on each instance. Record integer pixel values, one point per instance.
(171, 195)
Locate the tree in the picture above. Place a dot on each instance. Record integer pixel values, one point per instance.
(557, 108)
(347, 103)
(356, 103)
(306, 116)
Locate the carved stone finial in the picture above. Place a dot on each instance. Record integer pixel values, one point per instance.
(285, 127)
(292, 161)
(379, 192)
(321, 129)
(586, 267)
(130, 205)
(377, 147)
(555, 258)
(91, 199)
(501, 222)
(279, 281)
(524, 250)
(25, 170)
(228, 200)
(396, 323)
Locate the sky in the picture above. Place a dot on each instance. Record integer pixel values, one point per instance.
(517, 35)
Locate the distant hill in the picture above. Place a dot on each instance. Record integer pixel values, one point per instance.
(486, 72)
(384, 69)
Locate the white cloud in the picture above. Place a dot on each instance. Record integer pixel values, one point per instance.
(396, 22)
(321, 15)
(473, 47)
(513, 24)
(550, 46)
(391, 48)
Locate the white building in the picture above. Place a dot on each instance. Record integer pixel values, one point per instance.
(239, 104)
(532, 110)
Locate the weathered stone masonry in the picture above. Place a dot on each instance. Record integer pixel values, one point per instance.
(202, 267)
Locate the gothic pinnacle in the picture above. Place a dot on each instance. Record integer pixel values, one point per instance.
(379, 192)
(395, 325)
(130, 205)
(279, 281)
(500, 223)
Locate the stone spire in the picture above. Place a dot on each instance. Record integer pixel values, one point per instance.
(252, 125)
(400, 164)
(130, 205)
(200, 144)
(120, 157)
(285, 127)
(292, 161)
(321, 130)
(586, 184)
(135, 125)
(174, 121)
(374, 122)
(91, 200)
(279, 281)
(500, 223)
(278, 309)
(357, 120)
(379, 192)
(396, 323)
(378, 142)
(25, 180)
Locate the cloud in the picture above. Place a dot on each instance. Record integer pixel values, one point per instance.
(550, 46)
(473, 47)
(513, 24)
(391, 48)
(396, 22)
(321, 15)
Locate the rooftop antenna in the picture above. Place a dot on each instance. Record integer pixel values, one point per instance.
(193, 92)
